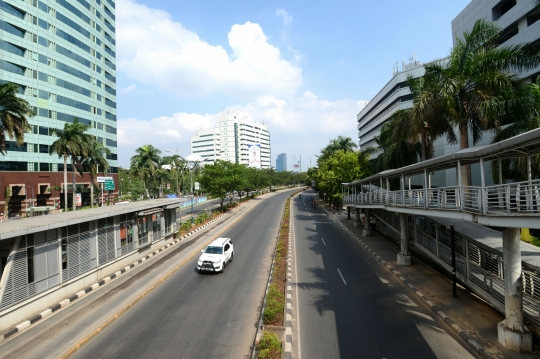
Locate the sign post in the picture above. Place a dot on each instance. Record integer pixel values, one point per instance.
(106, 183)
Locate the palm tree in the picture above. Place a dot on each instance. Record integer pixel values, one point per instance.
(476, 86)
(145, 163)
(421, 125)
(345, 144)
(395, 153)
(72, 142)
(97, 158)
(517, 169)
(13, 116)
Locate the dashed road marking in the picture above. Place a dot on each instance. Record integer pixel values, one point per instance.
(323, 241)
(341, 276)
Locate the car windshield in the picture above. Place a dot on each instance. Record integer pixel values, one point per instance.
(214, 250)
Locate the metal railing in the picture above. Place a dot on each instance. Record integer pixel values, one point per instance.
(479, 268)
(511, 198)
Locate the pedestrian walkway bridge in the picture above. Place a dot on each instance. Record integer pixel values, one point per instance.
(515, 204)
(508, 205)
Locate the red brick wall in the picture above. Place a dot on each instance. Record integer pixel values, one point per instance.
(36, 180)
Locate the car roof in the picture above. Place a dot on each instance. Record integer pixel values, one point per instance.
(219, 242)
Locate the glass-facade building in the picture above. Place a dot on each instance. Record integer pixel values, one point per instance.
(62, 54)
(281, 162)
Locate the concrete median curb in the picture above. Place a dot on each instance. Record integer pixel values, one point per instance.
(473, 344)
(83, 292)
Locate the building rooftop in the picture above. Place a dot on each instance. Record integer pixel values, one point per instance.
(19, 227)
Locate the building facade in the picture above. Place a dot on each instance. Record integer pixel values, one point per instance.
(395, 95)
(281, 162)
(62, 54)
(230, 140)
(518, 19)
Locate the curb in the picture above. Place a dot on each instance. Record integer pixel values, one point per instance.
(477, 347)
(64, 303)
(288, 348)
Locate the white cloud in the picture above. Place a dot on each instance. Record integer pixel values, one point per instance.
(287, 19)
(129, 89)
(300, 126)
(155, 49)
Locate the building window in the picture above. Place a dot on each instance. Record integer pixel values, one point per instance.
(502, 8)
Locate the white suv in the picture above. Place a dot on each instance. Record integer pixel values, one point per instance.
(216, 256)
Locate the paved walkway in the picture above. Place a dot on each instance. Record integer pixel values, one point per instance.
(477, 318)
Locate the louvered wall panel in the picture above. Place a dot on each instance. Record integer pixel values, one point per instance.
(73, 251)
(102, 245)
(84, 247)
(19, 271)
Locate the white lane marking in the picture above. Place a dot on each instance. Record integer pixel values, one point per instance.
(341, 276)
(323, 241)
(421, 315)
(404, 300)
(299, 346)
(384, 280)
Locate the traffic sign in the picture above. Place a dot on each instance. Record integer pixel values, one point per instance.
(196, 186)
(109, 185)
(104, 179)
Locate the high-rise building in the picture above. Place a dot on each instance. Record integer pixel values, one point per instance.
(395, 95)
(281, 162)
(62, 55)
(234, 139)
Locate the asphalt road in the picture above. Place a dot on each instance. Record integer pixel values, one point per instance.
(194, 315)
(349, 306)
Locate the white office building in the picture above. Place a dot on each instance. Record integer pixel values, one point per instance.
(395, 95)
(518, 19)
(231, 138)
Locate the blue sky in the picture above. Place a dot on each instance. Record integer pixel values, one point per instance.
(304, 67)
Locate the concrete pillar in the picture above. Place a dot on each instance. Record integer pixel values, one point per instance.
(512, 333)
(357, 222)
(349, 213)
(135, 229)
(366, 232)
(162, 226)
(404, 257)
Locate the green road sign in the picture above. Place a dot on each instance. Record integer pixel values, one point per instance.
(109, 186)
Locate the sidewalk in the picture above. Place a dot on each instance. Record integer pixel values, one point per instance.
(477, 319)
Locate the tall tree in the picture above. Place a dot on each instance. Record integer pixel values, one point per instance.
(476, 85)
(96, 159)
(345, 144)
(422, 124)
(517, 169)
(72, 142)
(395, 153)
(145, 163)
(14, 113)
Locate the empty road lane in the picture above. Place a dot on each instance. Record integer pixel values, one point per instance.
(347, 305)
(194, 315)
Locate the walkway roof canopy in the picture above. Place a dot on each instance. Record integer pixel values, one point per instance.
(526, 144)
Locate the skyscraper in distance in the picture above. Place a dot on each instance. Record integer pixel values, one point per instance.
(281, 162)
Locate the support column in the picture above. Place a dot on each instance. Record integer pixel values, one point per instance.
(135, 229)
(512, 333)
(366, 232)
(162, 225)
(357, 222)
(404, 257)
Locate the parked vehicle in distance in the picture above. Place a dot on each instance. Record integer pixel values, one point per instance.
(216, 256)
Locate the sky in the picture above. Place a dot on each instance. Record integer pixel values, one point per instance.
(305, 68)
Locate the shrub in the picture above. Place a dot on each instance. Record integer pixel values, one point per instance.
(269, 346)
(275, 303)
